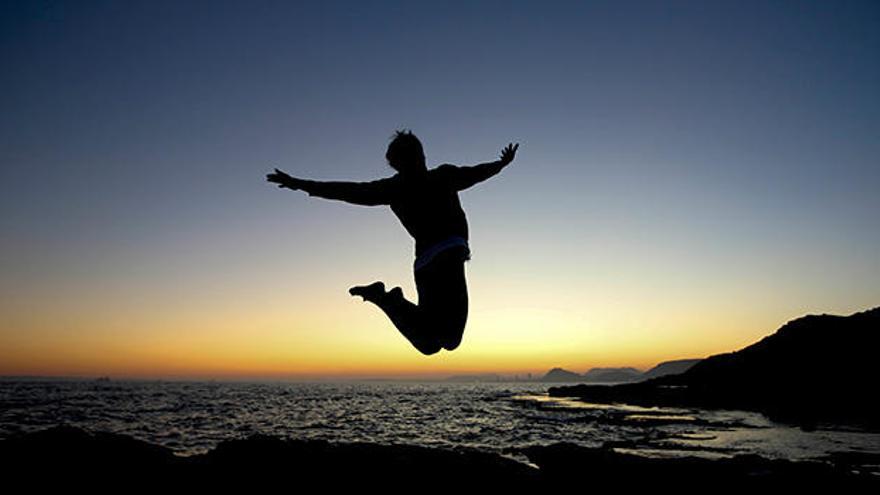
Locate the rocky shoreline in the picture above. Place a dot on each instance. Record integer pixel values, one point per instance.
(816, 370)
(73, 456)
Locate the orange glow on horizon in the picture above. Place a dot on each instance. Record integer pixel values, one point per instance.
(261, 326)
(280, 346)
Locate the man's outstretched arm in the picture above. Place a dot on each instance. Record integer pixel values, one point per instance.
(377, 192)
(464, 177)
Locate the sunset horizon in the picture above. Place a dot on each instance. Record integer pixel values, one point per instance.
(444, 369)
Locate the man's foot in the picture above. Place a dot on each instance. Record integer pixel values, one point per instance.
(373, 292)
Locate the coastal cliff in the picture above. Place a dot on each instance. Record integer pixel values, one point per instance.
(815, 369)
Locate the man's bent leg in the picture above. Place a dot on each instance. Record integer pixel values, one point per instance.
(407, 317)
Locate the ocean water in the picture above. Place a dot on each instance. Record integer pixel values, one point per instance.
(192, 417)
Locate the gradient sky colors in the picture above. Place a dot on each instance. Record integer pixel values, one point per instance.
(691, 175)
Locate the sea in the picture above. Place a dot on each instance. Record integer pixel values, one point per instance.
(193, 417)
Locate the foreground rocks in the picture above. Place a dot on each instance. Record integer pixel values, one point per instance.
(76, 458)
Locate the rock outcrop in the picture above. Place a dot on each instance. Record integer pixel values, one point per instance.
(815, 369)
(67, 458)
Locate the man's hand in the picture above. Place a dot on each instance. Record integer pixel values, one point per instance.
(284, 180)
(508, 153)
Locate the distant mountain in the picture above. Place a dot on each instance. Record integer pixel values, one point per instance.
(612, 375)
(818, 368)
(670, 368)
(561, 375)
(595, 375)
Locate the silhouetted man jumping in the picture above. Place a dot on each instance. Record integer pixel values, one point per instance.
(427, 204)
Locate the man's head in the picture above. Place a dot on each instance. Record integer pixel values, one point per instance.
(405, 153)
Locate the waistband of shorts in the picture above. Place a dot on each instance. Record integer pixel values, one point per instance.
(431, 252)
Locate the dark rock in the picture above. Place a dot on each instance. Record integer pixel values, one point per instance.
(71, 458)
(77, 448)
(670, 368)
(814, 370)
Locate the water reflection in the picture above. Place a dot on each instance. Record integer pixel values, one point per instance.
(672, 432)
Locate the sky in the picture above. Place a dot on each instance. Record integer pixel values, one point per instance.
(690, 176)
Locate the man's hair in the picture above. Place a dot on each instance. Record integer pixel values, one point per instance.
(405, 150)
